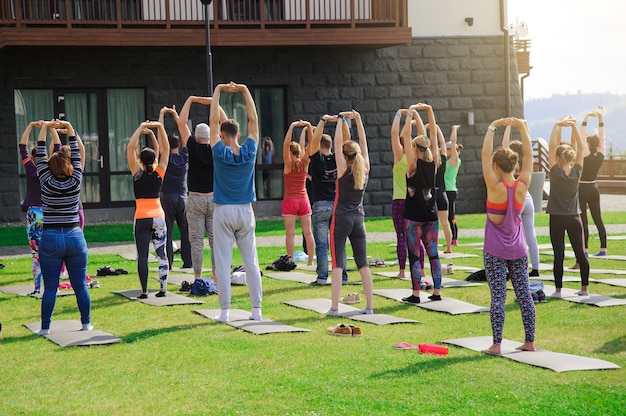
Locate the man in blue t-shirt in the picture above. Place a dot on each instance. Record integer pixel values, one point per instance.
(234, 192)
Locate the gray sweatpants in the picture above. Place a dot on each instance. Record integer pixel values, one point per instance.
(199, 221)
(236, 224)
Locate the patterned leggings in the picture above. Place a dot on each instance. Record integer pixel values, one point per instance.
(399, 223)
(34, 229)
(428, 234)
(496, 272)
(154, 229)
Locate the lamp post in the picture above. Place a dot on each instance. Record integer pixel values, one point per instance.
(209, 58)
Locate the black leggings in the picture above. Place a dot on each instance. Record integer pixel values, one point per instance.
(452, 214)
(572, 224)
(588, 194)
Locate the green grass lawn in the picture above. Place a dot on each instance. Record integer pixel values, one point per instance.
(174, 361)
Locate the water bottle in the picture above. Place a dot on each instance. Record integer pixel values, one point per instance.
(433, 349)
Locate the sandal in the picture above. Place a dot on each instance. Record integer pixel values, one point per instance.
(404, 346)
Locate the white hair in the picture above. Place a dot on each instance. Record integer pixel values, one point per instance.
(202, 131)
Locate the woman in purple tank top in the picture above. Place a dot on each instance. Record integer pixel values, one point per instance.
(505, 251)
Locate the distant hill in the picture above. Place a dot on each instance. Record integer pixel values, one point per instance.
(542, 113)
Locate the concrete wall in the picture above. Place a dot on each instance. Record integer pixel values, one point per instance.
(454, 75)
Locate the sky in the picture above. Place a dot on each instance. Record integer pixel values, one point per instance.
(576, 46)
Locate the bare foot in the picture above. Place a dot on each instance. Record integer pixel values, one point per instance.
(495, 349)
(400, 275)
(527, 346)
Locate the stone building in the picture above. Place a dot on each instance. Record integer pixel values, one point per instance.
(108, 76)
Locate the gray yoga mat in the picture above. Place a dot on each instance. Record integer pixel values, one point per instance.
(178, 270)
(321, 305)
(240, 320)
(445, 281)
(555, 361)
(550, 278)
(176, 279)
(300, 277)
(613, 282)
(455, 255)
(69, 334)
(570, 254)
(571, 296)
(132, 255)
(168, 300)
(293, 276)
(446, 304)
(25, 290)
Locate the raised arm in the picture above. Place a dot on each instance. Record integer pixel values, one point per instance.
(164, 145)
(601, 134)
(432, 127)
(396, 144)
(28, 129)
(526, 170)
(356, 116)
(132, 150)
(286, 152)
(441, 140)
(253, 118)
(338, 145)
(454, 154)
(405, 136)
(307, 131)
(577, 142)
(489, 175)
(555, 141)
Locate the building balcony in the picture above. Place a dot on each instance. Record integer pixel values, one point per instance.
(107, 23)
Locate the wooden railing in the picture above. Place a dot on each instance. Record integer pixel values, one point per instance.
(233, 22)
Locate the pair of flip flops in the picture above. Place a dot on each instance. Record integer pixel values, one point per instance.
(405, 346)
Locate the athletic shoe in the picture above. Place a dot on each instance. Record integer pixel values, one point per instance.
(541, 296)
(434, 297)
(600, 254)
(533, 273)
(412, 299)
(160, 294)
(583, 293)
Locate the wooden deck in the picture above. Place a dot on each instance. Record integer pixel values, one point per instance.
(109, 23)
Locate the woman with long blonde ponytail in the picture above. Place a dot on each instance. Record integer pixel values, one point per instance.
(353, 167)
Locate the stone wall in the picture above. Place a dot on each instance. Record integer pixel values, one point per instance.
(454, 75)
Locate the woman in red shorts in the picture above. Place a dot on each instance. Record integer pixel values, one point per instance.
(296, 203)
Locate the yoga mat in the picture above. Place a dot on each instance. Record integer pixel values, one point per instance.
(555, 361)
(132, 255)
(596, 300)
(446, 304)
(293, 276)
(613, 282)
(168, 300)
(25, 290)
(570, 254)
(550, 278)
(453, 255)
(445, 281)
(69, 334)
(321, 305)
(184, 271)
(303, 278)
(240, 320)
(176, 279)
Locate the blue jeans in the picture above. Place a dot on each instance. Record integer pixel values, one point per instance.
(57, 246)
(321, 216)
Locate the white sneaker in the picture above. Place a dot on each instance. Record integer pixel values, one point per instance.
(556, 295)
(582, 293)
